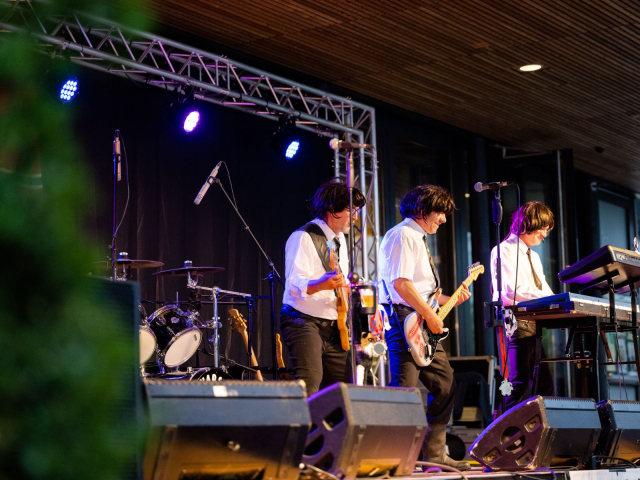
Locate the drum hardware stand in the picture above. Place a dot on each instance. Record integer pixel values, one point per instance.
(272, 277)
(252, 311)
(214, 323)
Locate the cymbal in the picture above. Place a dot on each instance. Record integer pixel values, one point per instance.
(181, 272)
(131, 263)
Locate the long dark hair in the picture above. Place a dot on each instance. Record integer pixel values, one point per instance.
(333, 197)
(424, 199)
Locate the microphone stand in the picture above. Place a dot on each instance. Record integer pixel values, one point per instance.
(272, 276)
(497, 307)
(116, 179)
(353, 276)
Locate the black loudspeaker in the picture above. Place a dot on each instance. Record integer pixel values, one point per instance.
(245, 430)
(120, 300)
(540, 432)
(620, 435)
(361, 431)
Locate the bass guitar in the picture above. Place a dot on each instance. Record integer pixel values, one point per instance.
(239, 324)
(342, 295)
(421, 341)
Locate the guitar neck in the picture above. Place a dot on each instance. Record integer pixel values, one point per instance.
(446, 308)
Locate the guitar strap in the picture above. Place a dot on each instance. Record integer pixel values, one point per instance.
(319, 240)
(394, 314)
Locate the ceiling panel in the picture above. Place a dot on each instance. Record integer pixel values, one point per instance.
(456, 61)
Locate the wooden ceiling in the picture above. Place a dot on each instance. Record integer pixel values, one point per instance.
(456, 61)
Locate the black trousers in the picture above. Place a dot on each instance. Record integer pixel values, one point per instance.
(522, 356)
(314, 349)
(437, 377)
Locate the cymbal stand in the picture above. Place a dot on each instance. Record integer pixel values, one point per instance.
(215, 323)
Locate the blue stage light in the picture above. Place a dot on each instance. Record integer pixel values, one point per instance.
(285, 141)
(69, 90)
(292, 149)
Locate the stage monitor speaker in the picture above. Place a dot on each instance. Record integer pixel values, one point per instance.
(365, 431)
(620, 435)
(120, 300)
(540, 432)
(214, 430)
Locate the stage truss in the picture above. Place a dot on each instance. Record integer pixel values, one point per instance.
(152, 60)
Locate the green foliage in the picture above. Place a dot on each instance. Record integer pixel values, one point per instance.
(57, 348)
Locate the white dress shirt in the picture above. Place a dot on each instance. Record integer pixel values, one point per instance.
(527, 289)
(302, 264)
(404, 255)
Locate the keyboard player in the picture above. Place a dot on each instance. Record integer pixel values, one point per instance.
(530, 224)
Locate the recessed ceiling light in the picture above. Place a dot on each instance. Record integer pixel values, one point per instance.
(530, 68)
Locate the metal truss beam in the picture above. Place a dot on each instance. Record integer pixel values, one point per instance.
(153, 60)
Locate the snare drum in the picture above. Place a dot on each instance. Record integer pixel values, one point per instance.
(177, 337)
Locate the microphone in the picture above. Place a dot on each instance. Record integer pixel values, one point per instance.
(207, 184)
(336, 144)
(479, 187)
(116, 154)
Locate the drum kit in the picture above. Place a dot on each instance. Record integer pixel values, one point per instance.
(174, 333)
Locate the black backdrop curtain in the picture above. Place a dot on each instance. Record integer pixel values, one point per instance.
(166, 170)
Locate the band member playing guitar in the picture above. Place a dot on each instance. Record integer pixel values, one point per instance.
(409, 278)
(309, 319)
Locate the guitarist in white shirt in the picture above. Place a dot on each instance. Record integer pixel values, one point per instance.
(410, 279)
(309, 315)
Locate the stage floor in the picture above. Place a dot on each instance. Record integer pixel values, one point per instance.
(559, 474)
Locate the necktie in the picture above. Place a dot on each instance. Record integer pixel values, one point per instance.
(536, 280)
(336, 242)
(433, 265)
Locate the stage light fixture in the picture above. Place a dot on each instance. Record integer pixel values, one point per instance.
(61, 78)
(191, 119)
(69, 89)
(183, 112)
(285, 141)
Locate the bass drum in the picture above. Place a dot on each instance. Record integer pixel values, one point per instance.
(182, 347)
(178, 338)
(199, 375)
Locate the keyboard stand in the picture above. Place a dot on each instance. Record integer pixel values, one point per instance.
(582, 324)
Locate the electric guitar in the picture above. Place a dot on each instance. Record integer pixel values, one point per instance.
(421, 341)
(283, 375)
(342, 303)
(239, 324)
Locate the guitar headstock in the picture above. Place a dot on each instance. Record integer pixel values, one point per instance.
(333, 255)
(238, 323)
(278, 346)
(475, 270)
